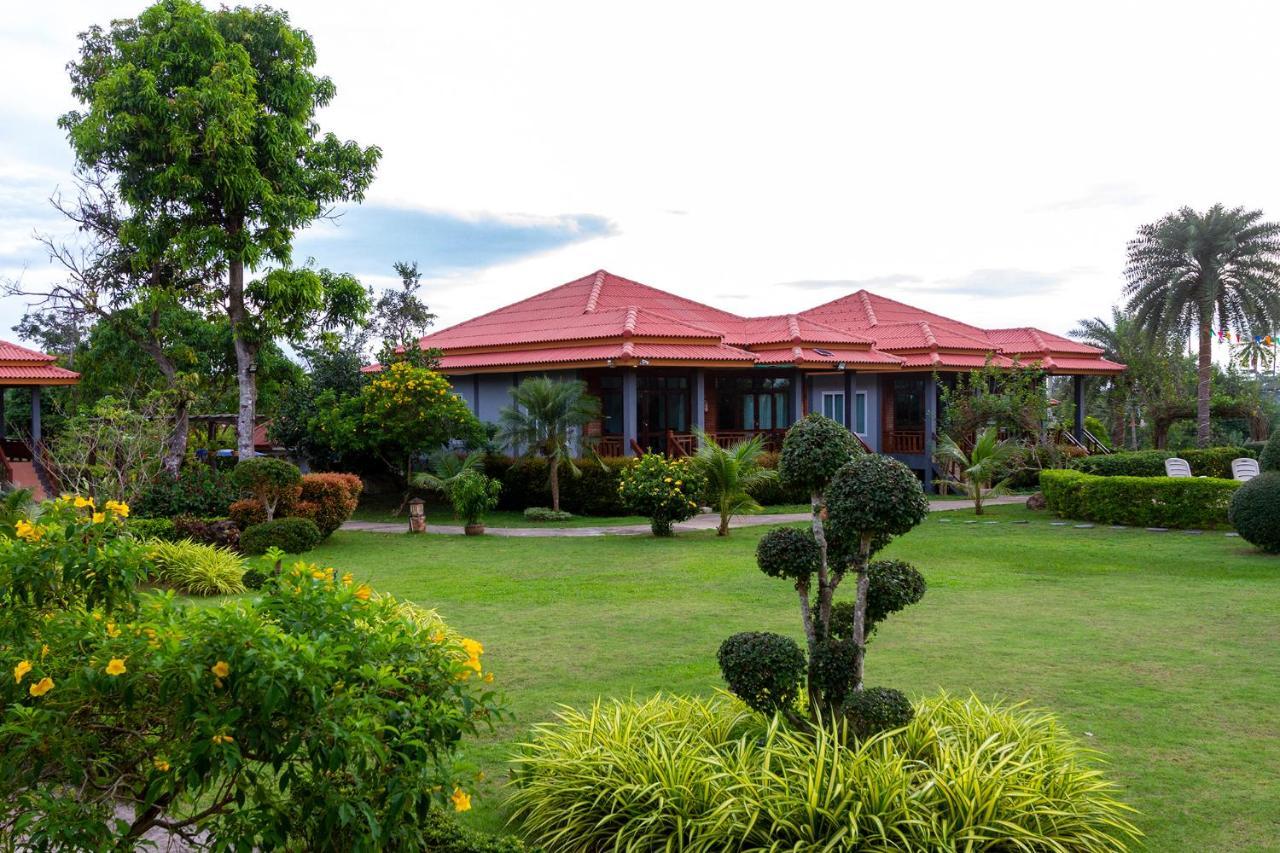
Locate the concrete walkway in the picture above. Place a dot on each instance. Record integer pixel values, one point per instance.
(706, 521)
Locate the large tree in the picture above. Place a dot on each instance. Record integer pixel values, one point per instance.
(1191, 272)
(207, 120)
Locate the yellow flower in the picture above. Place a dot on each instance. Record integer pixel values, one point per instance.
(112, 630)
(488, 678)
(161, 765)
(28, 531)
(44, 650)
(461, 800)
(20, 671)
(363, 592)
(116, 667)
(317, 574)
(120, 508)
(81, 503)
(220, 739)
(221, 669)
(347, 579)
(41, 687)
(99, 517)
(437, 637)
(473, 647)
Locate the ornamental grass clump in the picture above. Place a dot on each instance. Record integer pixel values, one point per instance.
(673, 773)
(196, 569)
(245, 725)
(665, 490)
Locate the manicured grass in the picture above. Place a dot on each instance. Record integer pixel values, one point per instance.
(1158, 649)
(439, 514)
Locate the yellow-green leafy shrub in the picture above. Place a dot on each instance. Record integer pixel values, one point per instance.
(195, 569)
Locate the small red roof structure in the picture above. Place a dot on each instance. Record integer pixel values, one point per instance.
(22, 366)
(603, 319)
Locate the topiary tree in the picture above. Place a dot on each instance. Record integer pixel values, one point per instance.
(269, 480)
(1269, 459)
(763, 670)
(1255, 511)
(860, 501)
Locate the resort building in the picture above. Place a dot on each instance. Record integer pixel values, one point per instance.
(662, 364)
(21, 465)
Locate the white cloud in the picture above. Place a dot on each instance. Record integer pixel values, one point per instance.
(800, 142)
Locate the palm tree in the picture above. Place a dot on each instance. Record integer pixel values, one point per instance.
(1254, 355)
(730, 473)
(1191, 271)
(444, 467)
(1121, 341)
(977, 470)
(543, 414)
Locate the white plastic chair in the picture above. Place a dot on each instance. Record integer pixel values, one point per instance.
(1244, 468)
(1176, 467)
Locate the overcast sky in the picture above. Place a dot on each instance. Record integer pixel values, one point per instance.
(988, 161)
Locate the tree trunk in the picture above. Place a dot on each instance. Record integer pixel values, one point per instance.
(246, 358)
(554, 462)
(723, 529)
(860, 609)
(1203, 391)
(176, 450)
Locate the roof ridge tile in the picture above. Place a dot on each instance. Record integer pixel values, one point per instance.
(594, 297)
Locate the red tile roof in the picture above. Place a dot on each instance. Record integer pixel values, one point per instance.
(603, 317)
(22, 366)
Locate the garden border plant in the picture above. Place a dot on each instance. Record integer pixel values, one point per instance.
(1182, 502)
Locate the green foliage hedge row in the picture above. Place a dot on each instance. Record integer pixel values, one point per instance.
(706, 774)
(1185, 502)
(1205, 462)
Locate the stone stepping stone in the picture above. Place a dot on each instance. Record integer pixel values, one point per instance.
(990, 522)
(1119, 527)
(1084, 527)
(1020, 521)
(1157, 530)
(1193, 532)
(1058, 524)
(1232, 533)
(971, 522)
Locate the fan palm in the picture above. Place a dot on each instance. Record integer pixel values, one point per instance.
(1255, 355)
(1191, 271)
(976, 471)
(543, 414)
(731, 473)
(444, 467)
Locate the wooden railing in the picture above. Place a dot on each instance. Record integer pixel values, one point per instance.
(686, 444)
(904, 441)
(6, 470)
(609, 445)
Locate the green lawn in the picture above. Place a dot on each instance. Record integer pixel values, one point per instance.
(440, 514)
(1159, 649)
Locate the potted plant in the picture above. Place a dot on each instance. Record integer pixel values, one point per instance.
(472, 495)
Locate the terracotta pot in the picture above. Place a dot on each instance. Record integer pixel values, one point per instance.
(473, 529)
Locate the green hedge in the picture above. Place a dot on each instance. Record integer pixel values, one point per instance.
(1205, 462)
(525, 483)
(1186, 502)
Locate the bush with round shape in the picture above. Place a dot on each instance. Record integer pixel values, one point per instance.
(833, 670)
(633, 775)
(291, 535)
(195, 569)
(763, 670)
(892, 585)
(877, 709)
(664, 490)
(328, 499)
(814, 449)
(199, 490)
(844, 547)
(875, 494)
(269, 480)
(788, 552)
(146, 529)
(254, 579)
(1255, 512)
(247, 512)
(1269, 458)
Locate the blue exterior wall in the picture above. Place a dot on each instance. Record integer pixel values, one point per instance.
(868, 383)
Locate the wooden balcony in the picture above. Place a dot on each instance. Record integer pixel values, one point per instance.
(907, 441)
(686, 444)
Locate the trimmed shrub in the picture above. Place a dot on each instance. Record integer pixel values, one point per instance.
(222, 532)
(1204, 462)
(788, 552)
(661, 489)
(1184, 502)
(271, 481)
(160, 529)
(706, 772)
(1269, 459)
(442, 834)
(328, 499)
(254, 579)
(1255, 511)
(877, 709)
(291, 535)
(875, 494)
(774, 492)
(248, 512)
(833, 670)
(197, 490)
(892, 585)
(814, 449)
(763, 670)
(543, 513)
(196, 569)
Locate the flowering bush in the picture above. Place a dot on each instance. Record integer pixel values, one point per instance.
(123, 714)
(665, 490)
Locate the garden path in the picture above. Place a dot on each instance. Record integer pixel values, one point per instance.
(706, 521)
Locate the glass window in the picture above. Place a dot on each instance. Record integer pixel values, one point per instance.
(833, 406)
(860, 412)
